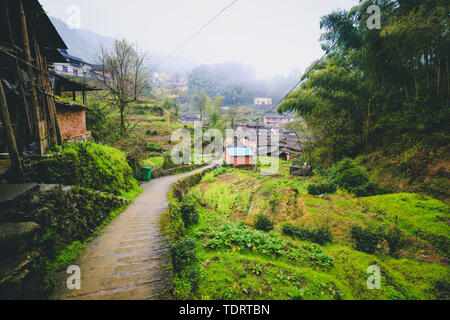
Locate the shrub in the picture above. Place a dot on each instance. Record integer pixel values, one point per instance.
(89, 165)
(148, 132)
(102, 126)
(317, 257)
(182, 186)
(395, 239)
(320, 235)
(168, 163)
(154, 147)
(154, 133)
(189, 212)
(366, 190)
(318, 189)
(263, 223)
(349, 176)
(274, 201)
(244, 238)
(184, 254)
(367, 239)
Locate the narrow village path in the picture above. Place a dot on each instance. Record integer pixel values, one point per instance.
(129, 258)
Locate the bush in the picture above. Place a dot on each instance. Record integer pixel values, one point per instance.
(366, 240)
(103, 128)
(318, 189)
(89, 165)
(366, 190)
(395, 240)
(263, 223)
(154, 147)
(184, 254)
(148, 132)
(317, 257)
(154, 133)
(274, 201)
(241, 236)
(182, 186)
(189, 212)
(168, 163)
(349, 176)
(320, 235)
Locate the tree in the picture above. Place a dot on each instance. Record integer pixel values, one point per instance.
(123, 74)
(379, 89)
(168, 105)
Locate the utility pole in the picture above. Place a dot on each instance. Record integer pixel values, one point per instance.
(257, 144)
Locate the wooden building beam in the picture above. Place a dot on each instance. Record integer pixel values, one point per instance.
(35, 108)
(10, 139)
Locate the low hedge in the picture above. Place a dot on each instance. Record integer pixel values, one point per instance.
(320, 235)
(161, 172)
(183, 214)
(321, 188)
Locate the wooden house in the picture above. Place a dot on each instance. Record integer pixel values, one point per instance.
(29, 44)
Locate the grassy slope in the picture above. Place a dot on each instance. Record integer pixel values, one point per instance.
(419, 169)
(235, 273)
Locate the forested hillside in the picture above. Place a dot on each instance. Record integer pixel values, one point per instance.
(383, 93)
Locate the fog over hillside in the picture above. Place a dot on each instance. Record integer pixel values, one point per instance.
(85, 44)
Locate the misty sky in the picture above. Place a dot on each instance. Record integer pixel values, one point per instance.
(273, 36)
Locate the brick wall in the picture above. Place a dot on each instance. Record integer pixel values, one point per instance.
(72, 122)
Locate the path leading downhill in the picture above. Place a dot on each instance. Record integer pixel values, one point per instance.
(129, 258)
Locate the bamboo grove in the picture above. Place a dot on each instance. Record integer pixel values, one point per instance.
(382, 89)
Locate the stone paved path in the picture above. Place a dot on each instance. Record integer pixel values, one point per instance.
(129, 258)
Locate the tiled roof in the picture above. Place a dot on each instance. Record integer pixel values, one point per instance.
(239, 151)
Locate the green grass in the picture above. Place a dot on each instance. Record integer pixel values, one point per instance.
(154, 162)
(235, 264)
(66, 256)
(415, 213)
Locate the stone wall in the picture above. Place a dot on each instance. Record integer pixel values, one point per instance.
(37, 223)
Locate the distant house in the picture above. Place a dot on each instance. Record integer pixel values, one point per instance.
(187, 119)
(74, 66)
(285, 155)
(276, 120)
(262, 101)
(238, 156)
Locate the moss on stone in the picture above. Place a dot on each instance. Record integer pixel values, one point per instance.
(89, 165)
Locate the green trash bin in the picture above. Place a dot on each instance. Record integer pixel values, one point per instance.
(146, 173)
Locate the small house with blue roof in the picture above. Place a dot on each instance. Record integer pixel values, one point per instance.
(238, 156)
